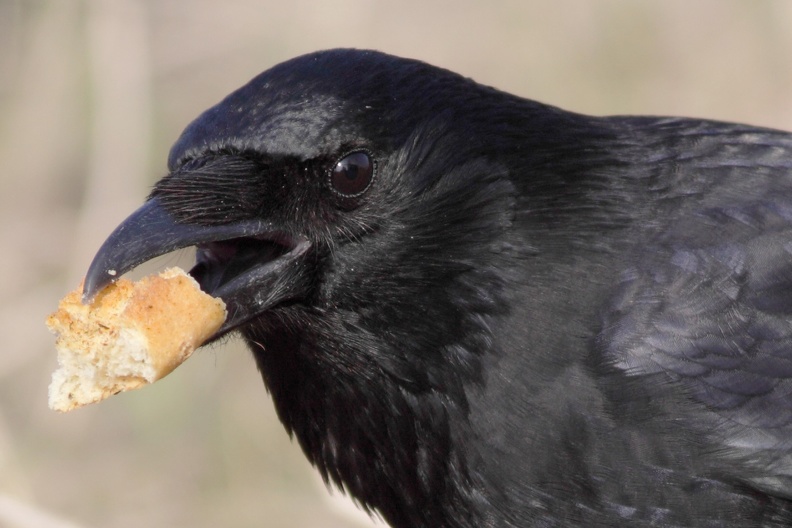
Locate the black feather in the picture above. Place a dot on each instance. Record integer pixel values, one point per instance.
(531, 317)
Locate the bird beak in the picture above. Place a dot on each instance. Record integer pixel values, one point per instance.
(250, 265)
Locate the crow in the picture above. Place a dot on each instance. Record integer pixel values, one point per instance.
(472, 309)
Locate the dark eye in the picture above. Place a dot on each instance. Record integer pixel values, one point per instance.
(352, 174)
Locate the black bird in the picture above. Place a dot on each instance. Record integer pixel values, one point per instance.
(473, 309)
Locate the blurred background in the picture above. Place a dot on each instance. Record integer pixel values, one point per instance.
(94, 92)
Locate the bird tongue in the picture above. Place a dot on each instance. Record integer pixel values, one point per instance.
(220, 262)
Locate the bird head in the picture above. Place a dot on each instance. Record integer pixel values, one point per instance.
(354, 210)
(321, 162)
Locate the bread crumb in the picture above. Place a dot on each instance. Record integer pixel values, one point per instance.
(132, 334)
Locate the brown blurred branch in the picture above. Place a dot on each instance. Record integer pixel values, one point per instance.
(121, 121)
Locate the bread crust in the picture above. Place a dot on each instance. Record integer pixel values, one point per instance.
(132, 334)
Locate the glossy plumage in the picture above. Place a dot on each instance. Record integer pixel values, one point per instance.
(529, 318)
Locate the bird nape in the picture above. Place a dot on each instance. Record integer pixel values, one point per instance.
(473, 309)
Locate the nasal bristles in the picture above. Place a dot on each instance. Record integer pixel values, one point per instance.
(212, 190)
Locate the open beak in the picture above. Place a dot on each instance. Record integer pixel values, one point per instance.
(252, 265)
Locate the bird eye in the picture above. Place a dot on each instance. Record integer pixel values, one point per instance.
(352, 174)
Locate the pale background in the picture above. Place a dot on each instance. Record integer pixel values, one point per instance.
(92, 94)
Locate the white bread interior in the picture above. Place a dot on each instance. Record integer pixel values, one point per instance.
(132, 334)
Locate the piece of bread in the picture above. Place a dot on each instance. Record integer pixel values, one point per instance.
(130, 335)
